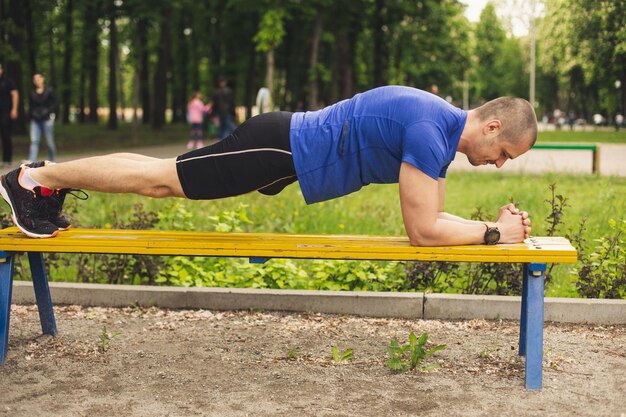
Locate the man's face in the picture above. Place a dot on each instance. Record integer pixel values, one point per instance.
(1, 70)
(495, 151)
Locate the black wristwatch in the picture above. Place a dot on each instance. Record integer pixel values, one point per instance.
(492, 235)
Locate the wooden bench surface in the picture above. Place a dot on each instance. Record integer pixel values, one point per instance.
(272, 245)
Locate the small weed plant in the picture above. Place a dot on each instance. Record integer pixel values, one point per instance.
(292, 354)
(339, 357)
(412, 355)
(105, 339)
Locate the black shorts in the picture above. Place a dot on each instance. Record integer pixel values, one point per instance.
(255, 157)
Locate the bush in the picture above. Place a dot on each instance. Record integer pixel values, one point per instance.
(602, 272)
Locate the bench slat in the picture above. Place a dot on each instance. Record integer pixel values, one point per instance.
(567, 146)
(272, 245)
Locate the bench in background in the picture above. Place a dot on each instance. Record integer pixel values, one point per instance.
(595, 149)
(259, 247)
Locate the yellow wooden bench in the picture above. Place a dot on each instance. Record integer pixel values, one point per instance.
(533, 254)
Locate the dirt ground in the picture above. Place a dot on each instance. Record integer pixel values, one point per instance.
(205, 363)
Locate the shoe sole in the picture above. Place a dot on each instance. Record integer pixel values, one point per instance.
(5, 195)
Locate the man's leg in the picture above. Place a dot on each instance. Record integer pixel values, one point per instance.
(115, 173)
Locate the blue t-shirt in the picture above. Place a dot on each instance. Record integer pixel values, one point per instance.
(365, 139)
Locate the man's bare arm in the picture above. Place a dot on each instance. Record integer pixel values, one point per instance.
(15, 99)
(420, 200)
(447, 216)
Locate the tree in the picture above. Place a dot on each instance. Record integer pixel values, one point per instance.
(163, 65)
(14, 65)
(90, 57)
(268, 38)
(490, 38)
(113, 67)
(584, 44)
(66, 88)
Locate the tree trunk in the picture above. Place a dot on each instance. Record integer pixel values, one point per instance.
(177, 73)
(13, 68)
(144, 60)
(52, 76)
(30, 38)
(81, 92)
(84, 62)
(315, 42)
(134, 136)
(381, 50)
(120, 86)
(92, 46)
(66, 90)
(160, 75)
(251, 79)
(269, 81)
(216, 45)
(623, 80)
(344, 60)
(112, 124)
(195, 70)
(2, 17)
(184, 71)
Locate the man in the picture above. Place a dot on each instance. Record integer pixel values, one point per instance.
(43, 105)
(224, 108)
(9, 99)
(386, 135)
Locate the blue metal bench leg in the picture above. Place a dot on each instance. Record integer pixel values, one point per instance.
(42, 293)
(523, 323)
(6, 286)
(533, 326)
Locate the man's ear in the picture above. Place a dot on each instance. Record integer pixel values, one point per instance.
(492, 127)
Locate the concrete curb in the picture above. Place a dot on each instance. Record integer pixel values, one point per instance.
(561, 310)
(403, 305)
(372, 304)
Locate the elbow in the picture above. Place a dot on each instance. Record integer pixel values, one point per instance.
(422, 238)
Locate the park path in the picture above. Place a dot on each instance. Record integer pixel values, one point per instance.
(537, 161)
(612, 159)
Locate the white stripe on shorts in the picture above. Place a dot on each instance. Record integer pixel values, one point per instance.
(274, 182)
(234, 153)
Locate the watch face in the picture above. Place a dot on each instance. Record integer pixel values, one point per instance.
(492, 236)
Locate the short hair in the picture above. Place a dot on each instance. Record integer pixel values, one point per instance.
(516, 114)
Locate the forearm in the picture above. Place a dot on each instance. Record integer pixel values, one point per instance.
(446, 232)
(451, 217)
(15, 100)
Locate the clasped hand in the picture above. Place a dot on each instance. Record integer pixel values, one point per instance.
(514, 224)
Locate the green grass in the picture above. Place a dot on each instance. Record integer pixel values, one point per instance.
(600, 136)
(376, 209)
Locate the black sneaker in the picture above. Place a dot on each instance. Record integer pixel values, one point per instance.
(55, 206)
(28, 207)
(54, 203)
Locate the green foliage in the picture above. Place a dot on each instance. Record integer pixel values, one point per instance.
(490, 40)
(600, 136)
(339, 357)
(602, 271)
(584, 45)
(353, 214)
(411, 355)
(271, 30)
